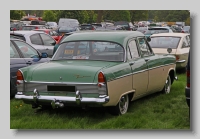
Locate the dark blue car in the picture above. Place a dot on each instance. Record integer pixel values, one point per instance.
(21, 55)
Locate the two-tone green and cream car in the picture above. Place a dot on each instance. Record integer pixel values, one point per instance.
(92, 69)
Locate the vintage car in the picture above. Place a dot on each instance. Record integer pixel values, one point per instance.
(179, 42)
(97, 69)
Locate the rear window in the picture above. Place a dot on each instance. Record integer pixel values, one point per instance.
(17, 37)
(164, 42)
(90, 50)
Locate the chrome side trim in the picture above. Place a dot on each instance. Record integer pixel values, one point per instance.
(59, 83)
(141, 71)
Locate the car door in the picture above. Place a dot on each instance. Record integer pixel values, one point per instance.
(36, 42)
(138, 67)
(154, 67)
(48, 43)
(30, 55)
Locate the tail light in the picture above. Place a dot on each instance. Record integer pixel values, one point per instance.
(188, 78)
(177, 57)
(20, 77)
(183, 31)
(101, 79)
(92, 28)
(36, 28)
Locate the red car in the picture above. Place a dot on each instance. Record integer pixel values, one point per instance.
(51, 32)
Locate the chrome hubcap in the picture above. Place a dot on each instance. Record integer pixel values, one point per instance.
(167, 85)
(123, 104)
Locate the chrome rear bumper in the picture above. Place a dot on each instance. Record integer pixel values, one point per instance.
(58, 101)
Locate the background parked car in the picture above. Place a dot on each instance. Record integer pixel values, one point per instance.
(51, 32)
(21, 55)
(127, 25)
(156, 30)
(142, 29)
(186, 29)
(65, 29)
(31, 27)
(52, 25)
(39, 40)
(179, 42)
(87, 27)
(118, 27)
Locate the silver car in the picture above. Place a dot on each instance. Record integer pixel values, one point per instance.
(39, 40)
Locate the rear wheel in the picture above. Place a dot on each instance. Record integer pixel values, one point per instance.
(167, 87)
(121, 107)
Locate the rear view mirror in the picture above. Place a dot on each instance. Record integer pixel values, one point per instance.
(44, 55)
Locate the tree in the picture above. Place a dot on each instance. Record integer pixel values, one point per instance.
(138, 15)
(16, 14)
(49, 15)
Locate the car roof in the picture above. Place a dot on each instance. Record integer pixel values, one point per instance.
(115, 36)
(171, 34)
(25, 32)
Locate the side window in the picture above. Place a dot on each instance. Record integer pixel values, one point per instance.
(48, 41)
(35, 39)
(132, 50)
(27, 50)
(144, 48)
(185, 43)
(51, 33)
(188, 40)
(13, 51)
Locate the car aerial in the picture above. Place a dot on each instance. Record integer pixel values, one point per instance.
(52, 25)
(31, 27)
(51, 32)
(179, 42)
(186, 29)
(97, 69)
(156, 30)
(187, 88)
(127, 25)
(21, 55)
(39, 40)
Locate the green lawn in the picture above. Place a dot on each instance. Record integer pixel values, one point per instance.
(156, 111)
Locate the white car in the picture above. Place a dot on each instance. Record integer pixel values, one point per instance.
(179, 42)
(39, 40)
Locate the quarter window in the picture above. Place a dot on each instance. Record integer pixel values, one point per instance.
(144, 48)
(133, 50)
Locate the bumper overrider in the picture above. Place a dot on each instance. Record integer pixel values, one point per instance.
(59, 101)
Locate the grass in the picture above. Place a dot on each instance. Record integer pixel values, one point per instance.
(156, 111)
